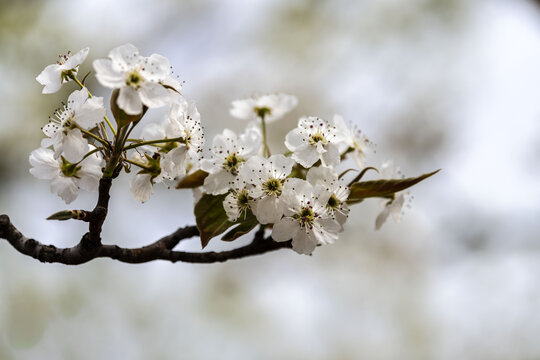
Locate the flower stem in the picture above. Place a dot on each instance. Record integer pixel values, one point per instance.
(151, 142)
(95, 137)
(266, 149)
(137, 164)
(88, 154)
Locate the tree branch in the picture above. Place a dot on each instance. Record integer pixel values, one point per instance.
(159, 250)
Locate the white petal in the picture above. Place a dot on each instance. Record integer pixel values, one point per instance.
(124, 57)
(90, 113)
(77, 98)
(210, 166)
(153, 95)
(250, 141)
(74, 146)
(304, 242)
(294, 139)
(381, 218)
(268, 210)
(395, 207)
(50, 129)
(331, 157)
(156, 68)
(51, 77)
(141, 187)
(65, 187)
(45, 166)
(243, 109)
(326, 231)
(281, 165)
(218, 183)
(129, 101)
(107, 76)
(306, 155)
(76, 59)
(285, 229)
(174, 162)
(231, 207)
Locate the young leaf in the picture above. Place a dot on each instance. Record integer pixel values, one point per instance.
(242, 229)
(383, 188)
(210, 217)
(192, 180)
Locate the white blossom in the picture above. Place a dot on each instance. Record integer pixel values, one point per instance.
(239, 201)
(63, 130)
(339, 192)
(267, 176)
(307, 220)
(392, 206)
(139, 79)
(66, 177)
(54, 75)
(272, 107)
(229, 153)
(353, 141)
(314, 139)
(142, 184)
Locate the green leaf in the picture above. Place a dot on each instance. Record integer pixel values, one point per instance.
(383, 188)
(123, 119)
(242, 229)
(192, 180)
(210, 217)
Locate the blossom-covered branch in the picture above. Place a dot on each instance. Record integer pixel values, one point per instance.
(303, 196)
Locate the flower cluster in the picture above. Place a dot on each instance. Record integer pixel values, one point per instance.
(80, 140)
(301, 195)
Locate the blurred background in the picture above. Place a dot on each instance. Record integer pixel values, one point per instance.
(449, 84)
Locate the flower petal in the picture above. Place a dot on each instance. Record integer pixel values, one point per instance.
(129, 101)
(107, 75)
(153, 95)
(51, 77)
(285, 229)
(65, 187)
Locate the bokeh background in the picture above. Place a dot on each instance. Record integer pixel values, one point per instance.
(451, 84)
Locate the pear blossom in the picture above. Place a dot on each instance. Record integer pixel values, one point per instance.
(267, 176)
(394, 205)
(183, 124)
(63, 130)
(307, 220)
(229, 153)
(339, 192)
(272, 107)
(55, 75)
(355, 143)
(314, 139)
(142, 184)
(66, 177)
(239, 201)
(139, 79)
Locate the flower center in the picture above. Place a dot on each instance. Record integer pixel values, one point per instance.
(333, 202)
(262, 111)
(305, 217)
(272, 187)
(243, 200)
(232, 162)
(134, 79)
(69, 169)
(316, 138)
